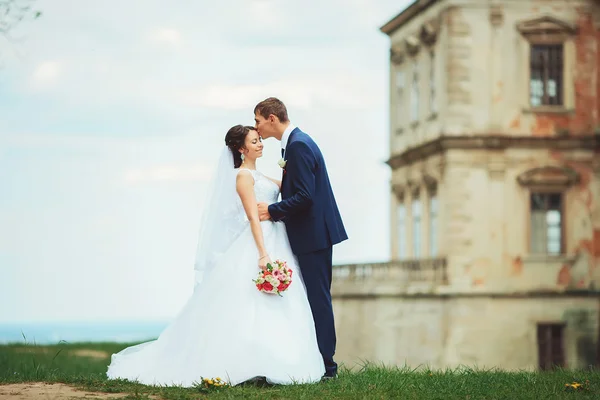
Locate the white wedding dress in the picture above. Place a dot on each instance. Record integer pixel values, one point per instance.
(229, 329)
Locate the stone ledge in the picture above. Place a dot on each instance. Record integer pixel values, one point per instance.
(492, 142)
(545, 258)
(548, 110)
(448, 293)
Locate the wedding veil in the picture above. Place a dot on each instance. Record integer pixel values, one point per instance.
(222, 218)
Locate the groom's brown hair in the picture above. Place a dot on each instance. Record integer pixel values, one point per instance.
(273, 106)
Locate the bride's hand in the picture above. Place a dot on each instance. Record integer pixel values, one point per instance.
(263, 261)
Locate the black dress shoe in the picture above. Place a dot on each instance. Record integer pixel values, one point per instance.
(258, 381)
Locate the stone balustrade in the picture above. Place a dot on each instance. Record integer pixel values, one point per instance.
(389, 278)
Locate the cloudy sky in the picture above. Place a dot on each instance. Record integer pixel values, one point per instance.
(112, 115)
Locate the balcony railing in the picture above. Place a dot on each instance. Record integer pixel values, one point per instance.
(395, 276)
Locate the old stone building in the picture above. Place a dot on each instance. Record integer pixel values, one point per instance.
(495, 191)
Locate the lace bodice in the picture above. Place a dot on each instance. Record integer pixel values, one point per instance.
(265, 190)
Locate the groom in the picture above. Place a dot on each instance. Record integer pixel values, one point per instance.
(310, 214)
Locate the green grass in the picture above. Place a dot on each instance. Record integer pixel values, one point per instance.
(61, 363)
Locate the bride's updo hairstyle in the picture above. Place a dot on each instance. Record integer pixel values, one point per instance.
(235, 139)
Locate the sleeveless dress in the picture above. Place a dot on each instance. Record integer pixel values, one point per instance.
(229, 329)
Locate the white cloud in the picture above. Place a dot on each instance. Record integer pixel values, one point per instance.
(169, 173)
(46, 74)
(341, 90)
(243, 97)
(269, 13)
(167, 36)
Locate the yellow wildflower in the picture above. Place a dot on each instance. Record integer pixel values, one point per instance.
(574, 385)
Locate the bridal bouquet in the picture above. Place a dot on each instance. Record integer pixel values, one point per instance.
(274, 279)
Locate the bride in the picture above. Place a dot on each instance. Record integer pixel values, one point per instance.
(229, 329)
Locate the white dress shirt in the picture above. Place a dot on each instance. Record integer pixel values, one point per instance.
(286, 136)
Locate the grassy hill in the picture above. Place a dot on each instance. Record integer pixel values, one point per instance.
(83, 365)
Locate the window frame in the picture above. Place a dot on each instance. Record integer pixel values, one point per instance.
(545, 67)
(563, 220)
(548, 30)
(415, 91)
(402, 233)
(433, 92)
(433, 240)
(400, 98)
(417, 237)
(549, 178)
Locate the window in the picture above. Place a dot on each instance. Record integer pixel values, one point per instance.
(414, 93)
(546, 223)
(400, 85)
(401, 215)
(432, 100)
(546, 75)
(551, 353)
(416, 231)
(549, 45)
(433, 221)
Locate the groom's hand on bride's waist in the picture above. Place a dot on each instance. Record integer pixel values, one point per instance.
(263, 212)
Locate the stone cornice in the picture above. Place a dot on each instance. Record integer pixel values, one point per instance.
(546, 29)
(549, 176)
(429, 31)
(358, 293)
(397, 54)
(496, 142)
(410, 12)
(546, 24)
(412, 45)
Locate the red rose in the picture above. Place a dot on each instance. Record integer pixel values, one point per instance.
(281, 287)
(259, 286)
(267, 286)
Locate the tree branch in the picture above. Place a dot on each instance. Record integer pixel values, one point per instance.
(12, 12)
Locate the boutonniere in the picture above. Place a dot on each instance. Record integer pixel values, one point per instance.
(282, 163)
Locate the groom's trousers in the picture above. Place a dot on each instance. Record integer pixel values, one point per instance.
(316, 271)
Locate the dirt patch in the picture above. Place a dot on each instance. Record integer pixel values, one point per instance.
(51, 391)
(77, 353)
(90, 353)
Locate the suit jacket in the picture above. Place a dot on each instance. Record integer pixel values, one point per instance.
(308, 206)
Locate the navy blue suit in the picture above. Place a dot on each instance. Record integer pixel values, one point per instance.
(314, 225)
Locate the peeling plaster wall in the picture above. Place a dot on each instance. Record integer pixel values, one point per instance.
(403, 131)
(498, 291)
(581, 55)
(450, 332)
(484, 213)
(482, 60)
(486, 230)
(487, 90)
